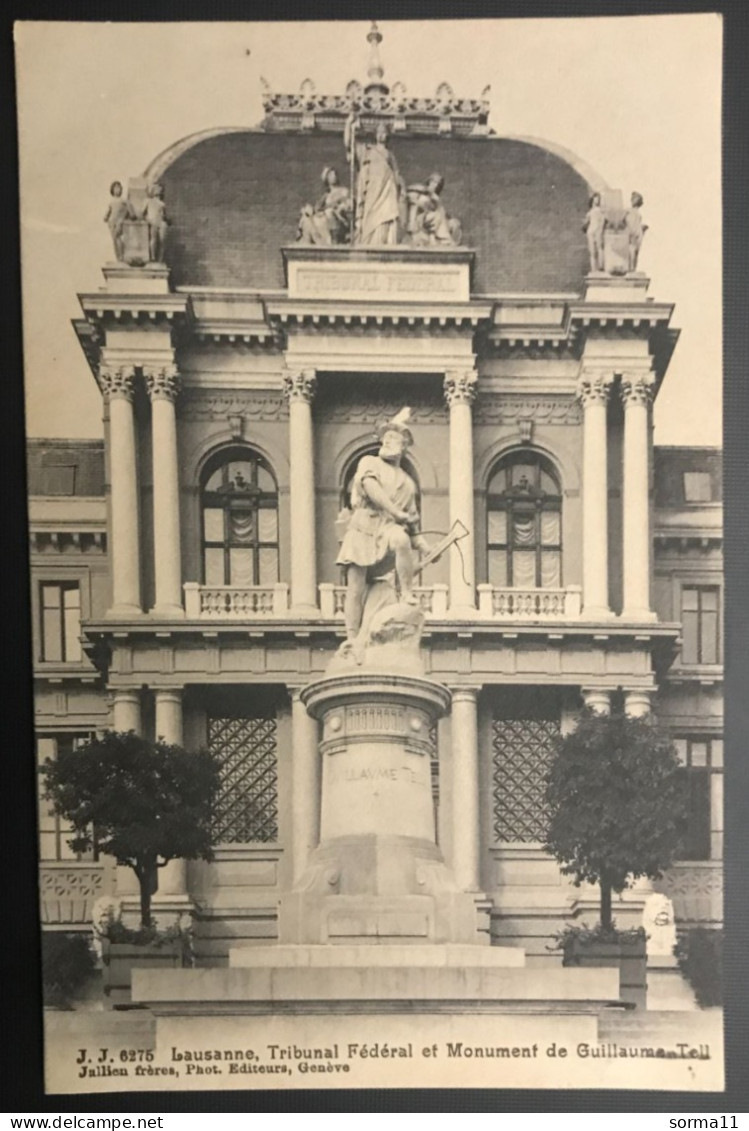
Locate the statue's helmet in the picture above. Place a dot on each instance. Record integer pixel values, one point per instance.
(398, 423)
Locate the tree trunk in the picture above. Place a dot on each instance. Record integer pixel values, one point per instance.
(606, 920)
(149, 883)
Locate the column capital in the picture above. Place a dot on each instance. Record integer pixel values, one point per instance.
(594, 386)
(163, 382)
(598, 699)
(637, 702)
(638, 388)
(460, 386)
(116, 381)
(300, 385)
(463, 694)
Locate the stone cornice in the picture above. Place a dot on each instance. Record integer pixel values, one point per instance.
(103, 306)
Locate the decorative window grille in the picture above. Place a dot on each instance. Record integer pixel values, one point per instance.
(522, 750)
(524, 524)
(246, 809)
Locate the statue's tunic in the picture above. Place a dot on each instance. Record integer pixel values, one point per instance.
(366, 540)
(378, 193)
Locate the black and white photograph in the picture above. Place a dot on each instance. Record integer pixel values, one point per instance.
(373, 377)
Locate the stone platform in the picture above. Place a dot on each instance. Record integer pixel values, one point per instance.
(376, 979)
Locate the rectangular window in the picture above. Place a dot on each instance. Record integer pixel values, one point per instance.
(54, 833)
(700, 620)
(703, 764)
(61, 621)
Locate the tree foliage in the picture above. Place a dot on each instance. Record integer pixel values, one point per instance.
(617, 803)
(146, 803)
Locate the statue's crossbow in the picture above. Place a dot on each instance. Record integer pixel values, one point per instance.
(454, 534)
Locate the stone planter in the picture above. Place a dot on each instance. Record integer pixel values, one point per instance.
(120, 959)
(629, 955)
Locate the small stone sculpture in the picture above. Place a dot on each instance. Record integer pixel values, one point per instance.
(155, 217)
(382, 537)
(429, 223)
(658, 922)
(635, 229)
(115, 216)
(593, 226)
(329, 221)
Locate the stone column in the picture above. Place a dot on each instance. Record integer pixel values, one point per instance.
(163, 385)
(168, 702)
(598, 699)
(465, 755)
(116, 384)
(593, 391)
(460, 392)
(637, 391)
(637, 703)
(126, 710)
(305, 772)
(300, 389)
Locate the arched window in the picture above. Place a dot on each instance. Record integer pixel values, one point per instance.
(524, 523)
(240, 521)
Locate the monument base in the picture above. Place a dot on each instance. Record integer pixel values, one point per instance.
(381, 889)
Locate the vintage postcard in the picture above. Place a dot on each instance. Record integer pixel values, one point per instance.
(373, 375)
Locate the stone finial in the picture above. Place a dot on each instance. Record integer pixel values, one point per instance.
(375, 69)
(163, 382)
(116, 381)
(460, 387)
(594, 387)
(300, 385)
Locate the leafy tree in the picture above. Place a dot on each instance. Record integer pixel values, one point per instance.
(617, 804)
(146, 803)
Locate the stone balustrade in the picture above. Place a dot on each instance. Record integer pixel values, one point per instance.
(230, 602)
(529, 604)
(432, 598)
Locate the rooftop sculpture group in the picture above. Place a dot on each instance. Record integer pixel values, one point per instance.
(614, 234)
(137, 223)
(377, 208)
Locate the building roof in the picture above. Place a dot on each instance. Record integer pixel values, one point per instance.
(233, 200)
(65, 467)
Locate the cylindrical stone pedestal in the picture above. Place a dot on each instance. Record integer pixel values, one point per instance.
(377, 875)
(376, 754)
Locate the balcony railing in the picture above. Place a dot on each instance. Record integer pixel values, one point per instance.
(529, 604)
(432, 598)
(229, 602)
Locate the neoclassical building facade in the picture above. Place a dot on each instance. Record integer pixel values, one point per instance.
(184, 572)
